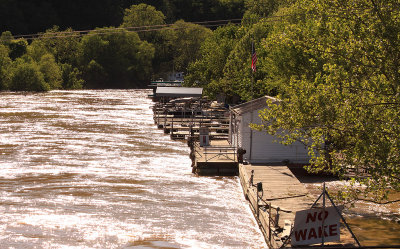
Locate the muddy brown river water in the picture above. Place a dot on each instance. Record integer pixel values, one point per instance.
(88, 169)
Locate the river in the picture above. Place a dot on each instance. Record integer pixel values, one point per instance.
(89, 169)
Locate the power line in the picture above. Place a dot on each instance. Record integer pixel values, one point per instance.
(149, 28)
(99, 31)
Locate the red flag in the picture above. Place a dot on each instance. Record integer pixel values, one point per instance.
(253, 58)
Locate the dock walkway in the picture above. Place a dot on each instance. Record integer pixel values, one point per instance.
(283, 194)
(219, 158)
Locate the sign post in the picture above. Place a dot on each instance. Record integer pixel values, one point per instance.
(318, 225)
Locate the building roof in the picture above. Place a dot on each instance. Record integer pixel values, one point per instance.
(165, 83)
(179, 92)
(253, 105)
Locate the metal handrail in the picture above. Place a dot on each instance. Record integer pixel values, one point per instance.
(223, 151)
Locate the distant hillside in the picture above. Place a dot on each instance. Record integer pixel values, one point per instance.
(26, 16)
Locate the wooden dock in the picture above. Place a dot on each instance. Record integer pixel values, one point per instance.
(183, 118)
(281, 197)
(186, 118)
(219, 158)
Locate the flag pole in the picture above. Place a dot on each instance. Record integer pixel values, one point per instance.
(253, 69)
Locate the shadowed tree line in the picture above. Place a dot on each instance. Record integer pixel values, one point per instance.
(108, 57)
(26, 16)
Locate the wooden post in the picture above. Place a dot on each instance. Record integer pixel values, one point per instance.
(258, 209)
(259, 190)
(172, 127)
(165, 119)
(323, 219)
(269, 222)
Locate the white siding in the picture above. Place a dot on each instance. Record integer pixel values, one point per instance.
(265, 148)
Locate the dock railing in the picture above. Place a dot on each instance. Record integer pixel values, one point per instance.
(208, 153)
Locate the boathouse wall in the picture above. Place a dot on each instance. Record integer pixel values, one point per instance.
(259, 145)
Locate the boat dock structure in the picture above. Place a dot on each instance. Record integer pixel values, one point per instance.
(222, 145)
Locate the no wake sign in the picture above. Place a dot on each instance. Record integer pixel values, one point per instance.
(313, 226)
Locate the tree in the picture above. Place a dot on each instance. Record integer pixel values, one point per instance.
(41, 55)
(343, 101)
(17, 48)
(147, 20)
(6, 38)
(214, 54)
(64, 45)
(262, 8)
(206, 10)
(144, 16)
(113, 59)
(239, 81)
(27, 77)
(29, 17)
(184, 41)
(37, 49)
(71, 77)
(51, 71)
(63, 50)
(5, 64)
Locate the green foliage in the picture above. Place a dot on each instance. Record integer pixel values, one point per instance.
(142, 15)
(28, 59)
(339, 62)
(184, 41)
(71, 77)
(243, 82)
(261, 8)
(334, 66)
(51, 71)
(95, 75)
(5, 64)
(42, 56)
(64, 45)
(18, 48)
(215, 51)
(36, 50)
(146, 17)
(27, 77)
(108, 60)
(115, 60)
(6, 38)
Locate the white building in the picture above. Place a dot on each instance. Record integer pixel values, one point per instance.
(175, 76)
(259, 145)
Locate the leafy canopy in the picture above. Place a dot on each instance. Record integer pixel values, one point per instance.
(341, 90)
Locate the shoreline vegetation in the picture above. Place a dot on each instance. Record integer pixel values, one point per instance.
(334, 66)
(119, 44)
